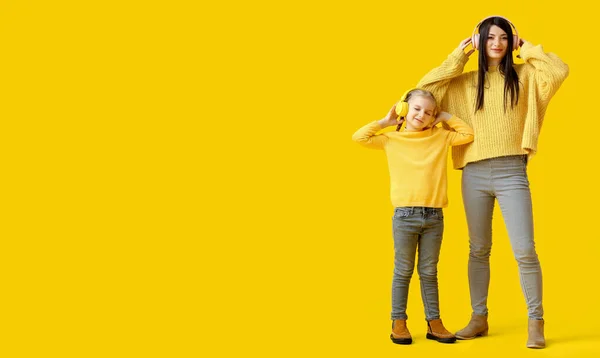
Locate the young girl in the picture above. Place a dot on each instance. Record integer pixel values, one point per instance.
(505, 103)
(417, 164)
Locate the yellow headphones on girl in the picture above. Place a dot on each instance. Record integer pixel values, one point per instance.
(402, 105)
(475, 36)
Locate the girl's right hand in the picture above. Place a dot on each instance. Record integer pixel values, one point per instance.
(391, 119)
(463, 45)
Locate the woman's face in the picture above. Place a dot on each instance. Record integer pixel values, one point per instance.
(496, 45)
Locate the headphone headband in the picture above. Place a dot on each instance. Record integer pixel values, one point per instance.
(402, 105)
(475, 38)
(403, 98)
(489, 17)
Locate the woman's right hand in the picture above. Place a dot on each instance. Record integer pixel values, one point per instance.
(463, 45)
(391, 119)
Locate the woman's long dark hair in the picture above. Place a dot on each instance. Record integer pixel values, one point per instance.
(511, 79)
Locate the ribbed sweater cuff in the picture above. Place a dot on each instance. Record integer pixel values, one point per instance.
(459, 56)
(527, 49)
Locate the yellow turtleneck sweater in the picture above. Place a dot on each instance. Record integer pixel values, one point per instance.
(417, 161)
(497, 133)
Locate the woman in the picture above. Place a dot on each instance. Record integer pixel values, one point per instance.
(505, 104)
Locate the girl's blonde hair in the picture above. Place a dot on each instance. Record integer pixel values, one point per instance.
(418, 92)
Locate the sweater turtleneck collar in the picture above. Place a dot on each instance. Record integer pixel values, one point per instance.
(417, 134)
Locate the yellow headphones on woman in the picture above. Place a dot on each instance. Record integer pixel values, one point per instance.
(475, 36)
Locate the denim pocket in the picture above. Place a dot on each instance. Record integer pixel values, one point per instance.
(402, 212)
(524, 160)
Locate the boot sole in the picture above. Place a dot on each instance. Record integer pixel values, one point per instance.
(401, 340)
(481, 334)
(536, 346)
(441, 340)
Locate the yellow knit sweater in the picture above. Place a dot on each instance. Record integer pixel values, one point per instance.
(497, 133)
(417, 161)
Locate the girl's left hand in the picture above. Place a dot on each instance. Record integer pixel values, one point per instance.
(441, 117)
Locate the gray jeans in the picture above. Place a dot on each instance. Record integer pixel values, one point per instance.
(504, 179)
(422, 228)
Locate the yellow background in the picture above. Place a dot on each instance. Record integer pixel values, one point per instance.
(179, 180)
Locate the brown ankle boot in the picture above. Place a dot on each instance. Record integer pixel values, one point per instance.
(437, 332)
(478, 326)
(400, 333)
(536, 334)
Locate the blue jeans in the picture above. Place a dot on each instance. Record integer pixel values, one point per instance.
(422, 228)
(503, 179)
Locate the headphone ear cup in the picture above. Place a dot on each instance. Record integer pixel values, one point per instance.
(402, 108)
(516, 41)
(475, 41)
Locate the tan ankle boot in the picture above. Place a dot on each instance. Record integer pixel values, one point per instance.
(536, 334)
(437, 332)
(478, 326)
(400, 333)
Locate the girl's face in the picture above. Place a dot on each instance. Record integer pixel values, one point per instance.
(420, 113)
(496, 45)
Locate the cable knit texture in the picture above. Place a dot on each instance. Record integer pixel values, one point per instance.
(497, 133)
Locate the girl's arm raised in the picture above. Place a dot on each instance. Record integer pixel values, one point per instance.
(459, 133)
(367, 135)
